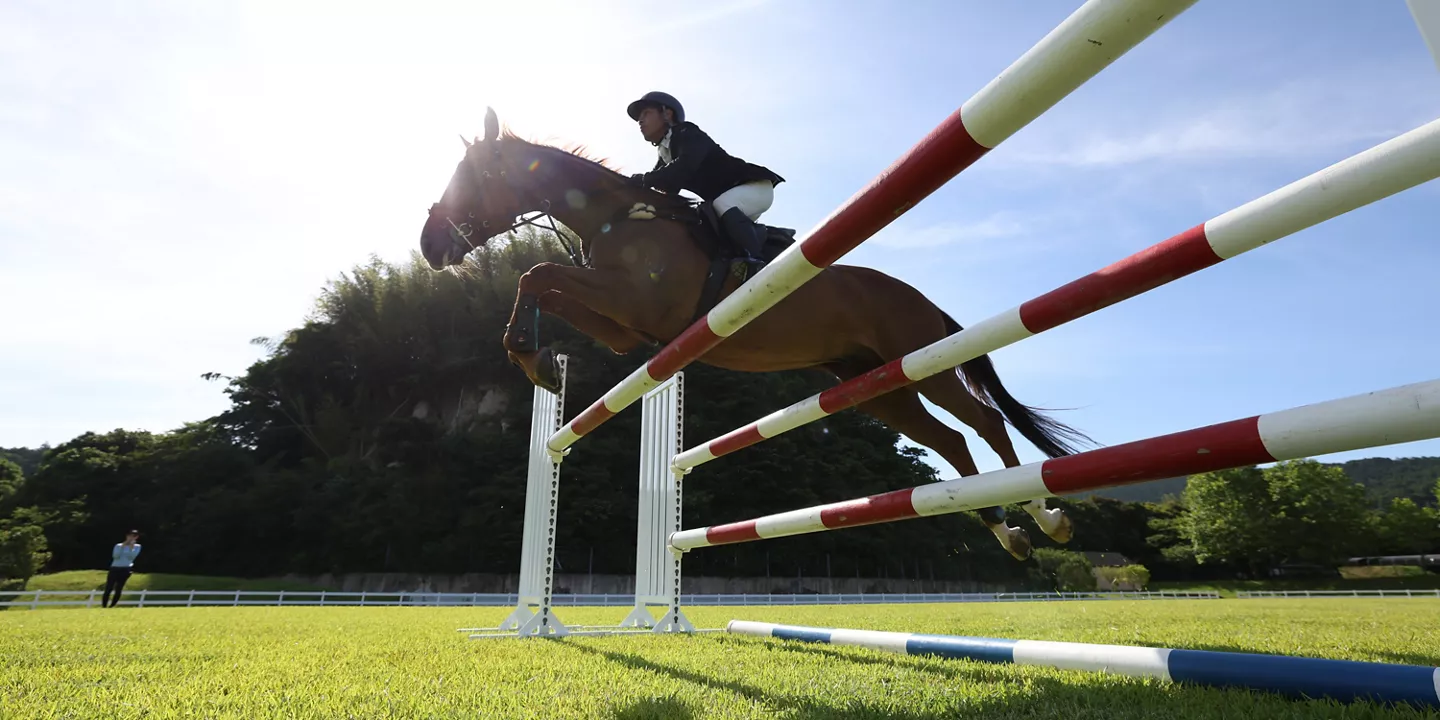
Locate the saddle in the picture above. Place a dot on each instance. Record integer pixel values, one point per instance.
(706, 232)
(724, 264)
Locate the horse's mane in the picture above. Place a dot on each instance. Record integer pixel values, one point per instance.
(578, 151)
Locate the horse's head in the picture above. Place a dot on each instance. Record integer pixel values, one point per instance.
(482, 200)
(503, 177)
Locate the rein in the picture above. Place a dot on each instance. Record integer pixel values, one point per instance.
(464, 230)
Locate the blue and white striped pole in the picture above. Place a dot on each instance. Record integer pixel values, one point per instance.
(1343, 680)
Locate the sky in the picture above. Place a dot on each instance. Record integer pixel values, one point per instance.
(177, 178)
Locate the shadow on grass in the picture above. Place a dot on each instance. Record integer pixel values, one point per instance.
(1043, 693)
(655, 709)
(1132, 697)
(906, 661)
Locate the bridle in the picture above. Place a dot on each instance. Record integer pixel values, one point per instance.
(465, 230)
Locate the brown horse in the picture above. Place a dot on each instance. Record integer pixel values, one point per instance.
(639, 280)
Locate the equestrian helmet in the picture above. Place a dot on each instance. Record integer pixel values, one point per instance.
(661, 99)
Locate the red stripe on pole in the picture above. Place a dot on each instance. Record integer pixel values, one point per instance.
(925, 168)
(1146, 270)
(856, 390)
(691, 344)
(591, 418)
(886, 507)
(1232, 444)
(732, 533)
(736, 440)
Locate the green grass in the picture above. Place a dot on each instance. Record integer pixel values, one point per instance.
(86, 580)
(1410, 579)
(411, 663)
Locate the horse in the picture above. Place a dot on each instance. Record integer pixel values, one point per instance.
(638, 280)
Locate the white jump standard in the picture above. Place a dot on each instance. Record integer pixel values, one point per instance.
(533, 613)
(657, 568)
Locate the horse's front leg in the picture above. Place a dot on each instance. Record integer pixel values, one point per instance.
(572, 294)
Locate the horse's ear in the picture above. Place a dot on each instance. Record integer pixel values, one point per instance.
(463, 140)
(492, 125)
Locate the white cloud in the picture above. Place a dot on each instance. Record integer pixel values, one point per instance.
(1316, 116)
(999, 225)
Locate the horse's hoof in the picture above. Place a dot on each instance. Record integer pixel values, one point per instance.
(1054, 522)
(1015, 541)
(547, 371)
(1064, 531)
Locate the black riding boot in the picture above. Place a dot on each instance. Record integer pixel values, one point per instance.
(744, 236)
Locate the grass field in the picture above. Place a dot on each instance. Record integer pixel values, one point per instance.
(411, 663)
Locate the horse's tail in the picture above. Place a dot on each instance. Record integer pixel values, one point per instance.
(1051, 436)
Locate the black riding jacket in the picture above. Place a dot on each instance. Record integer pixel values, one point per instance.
(701, 166)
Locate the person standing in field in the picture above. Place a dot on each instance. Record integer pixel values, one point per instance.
(122, 563)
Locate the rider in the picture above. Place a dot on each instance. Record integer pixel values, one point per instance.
(689, 160)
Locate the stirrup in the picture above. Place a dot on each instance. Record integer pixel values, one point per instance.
(744, 268)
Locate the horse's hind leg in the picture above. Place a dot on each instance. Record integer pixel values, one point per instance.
(902, 411)
(948, 391)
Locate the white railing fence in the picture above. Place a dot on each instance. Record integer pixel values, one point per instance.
(35, 599)
(1252, 594)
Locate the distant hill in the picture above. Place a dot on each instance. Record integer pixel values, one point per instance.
(1387, 478)
(1383, 478)
(27, 458)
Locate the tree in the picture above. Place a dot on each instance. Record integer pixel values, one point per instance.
(1408, 529)
(1128, 577)
(1319, 512)
(1300, 511)
(23, 550)
(1225, 516)
(11, 478)
(1069, 571)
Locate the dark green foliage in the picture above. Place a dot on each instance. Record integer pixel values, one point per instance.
(1405, 528)
(28, 459)
(1064, 570)
(23, 549)
(11, 478)
(1298, 512)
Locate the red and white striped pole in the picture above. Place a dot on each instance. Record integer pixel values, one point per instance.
(1087, 42)
(1388, 417)
(1399, 164)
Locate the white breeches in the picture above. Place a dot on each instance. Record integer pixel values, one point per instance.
(753, 198)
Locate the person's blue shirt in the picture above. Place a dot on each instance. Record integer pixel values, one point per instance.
(124, 557)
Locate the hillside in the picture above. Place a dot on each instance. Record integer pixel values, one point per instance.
(1387, 478)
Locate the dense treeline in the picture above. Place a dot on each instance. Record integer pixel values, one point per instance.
(389, 432)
